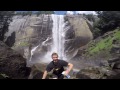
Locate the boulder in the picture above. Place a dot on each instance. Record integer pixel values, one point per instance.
(37, 71)
(77, 35)
(12, 64)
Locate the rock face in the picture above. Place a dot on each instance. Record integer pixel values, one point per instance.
(78, 35)
(27, 32)
(100, 72)
(88, 73)
(30, 31)
(37, 71)
(12, 64)
(105, 51)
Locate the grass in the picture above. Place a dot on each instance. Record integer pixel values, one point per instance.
(117, 35)
(104, 44)
(24, 44)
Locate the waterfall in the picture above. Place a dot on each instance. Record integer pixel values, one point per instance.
(32, 52)
(58, 34)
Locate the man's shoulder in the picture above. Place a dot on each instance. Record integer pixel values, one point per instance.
(50, 64)
(62, 61)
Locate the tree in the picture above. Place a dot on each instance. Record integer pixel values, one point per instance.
(29, 13)
(44, 12)
(24, 13)
(109, 20)
(50, 12)
(18, 13)
(38, 13)
(5, 19)
(90, 17)
(47, 12)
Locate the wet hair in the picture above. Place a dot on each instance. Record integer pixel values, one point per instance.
(54, 54)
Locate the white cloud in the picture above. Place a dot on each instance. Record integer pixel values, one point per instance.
(86, 12)
(70, 12)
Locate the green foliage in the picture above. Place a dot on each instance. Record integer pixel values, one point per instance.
(44, 12)
(96, 32)
(28, 13)
(117, 35)
(109, 20)
(24, 44)
(5, 19)
(18, 13)
(90, 17)
(24, 13)
(105, 44)
(47, 12)
(38, 13)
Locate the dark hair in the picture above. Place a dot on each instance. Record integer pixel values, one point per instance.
(54, 54)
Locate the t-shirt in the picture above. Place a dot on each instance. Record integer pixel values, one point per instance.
(56, 66)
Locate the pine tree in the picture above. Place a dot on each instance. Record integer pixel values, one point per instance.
(5, 19)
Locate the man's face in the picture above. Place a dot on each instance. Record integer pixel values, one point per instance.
(55, 58)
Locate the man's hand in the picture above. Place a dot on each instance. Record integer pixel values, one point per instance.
(66, 72)
(44, 75)
(70, 66)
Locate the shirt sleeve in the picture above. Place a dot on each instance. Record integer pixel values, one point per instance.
(49, 68)
(63, 63)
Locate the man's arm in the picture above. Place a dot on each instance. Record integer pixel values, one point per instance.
(48, 69)
(70, 66)
(45, 74)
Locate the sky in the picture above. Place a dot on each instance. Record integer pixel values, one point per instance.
(74, 12)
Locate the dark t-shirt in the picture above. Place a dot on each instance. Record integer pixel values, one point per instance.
(57, 67)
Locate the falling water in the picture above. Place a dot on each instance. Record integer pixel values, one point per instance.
(58, 35)
(32, 52)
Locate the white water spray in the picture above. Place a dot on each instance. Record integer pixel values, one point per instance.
(58, 34)
(32, 52)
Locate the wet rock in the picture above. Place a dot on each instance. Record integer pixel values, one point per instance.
(116, 75)
(104, 63)
(82, 76)
(114, 62)
(116, 65)
(89, 73)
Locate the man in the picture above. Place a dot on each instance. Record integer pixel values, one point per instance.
(57, 66)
